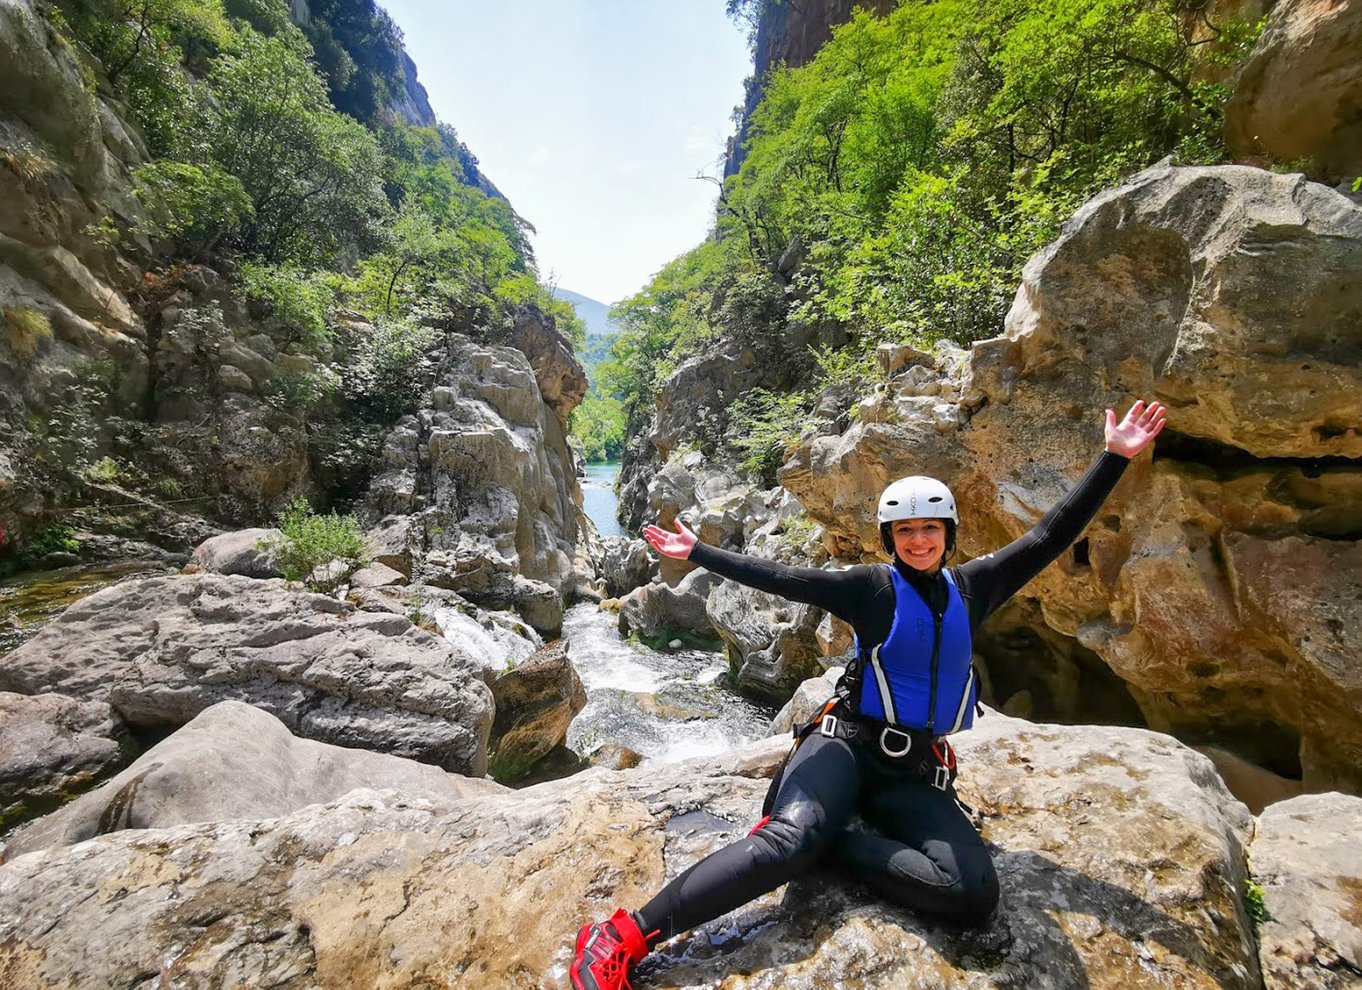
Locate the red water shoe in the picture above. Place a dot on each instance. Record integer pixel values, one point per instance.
(606, 952)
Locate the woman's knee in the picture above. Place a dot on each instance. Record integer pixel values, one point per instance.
(963, 890)
(974, 895)
(795, 836)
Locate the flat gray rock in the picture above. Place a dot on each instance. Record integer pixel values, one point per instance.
(161, 650)
(236, 762)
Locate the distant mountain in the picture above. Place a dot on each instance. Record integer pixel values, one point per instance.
(595, 314)
(600, 329)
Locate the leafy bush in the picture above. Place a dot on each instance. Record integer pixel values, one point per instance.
(298, 299)
(310, 541)
(195, 207)
(269, 17)
(1255, 904)
(303, 391)
(382, 374)
(312, 173)
(104, 471)
(27, 331)
(57, 538)
(763, 425)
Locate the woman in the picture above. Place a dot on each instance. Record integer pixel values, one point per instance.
(879, 748)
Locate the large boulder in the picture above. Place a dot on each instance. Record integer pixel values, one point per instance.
(1219, 582)
(1121, 859)
(1304, 858)
(658, 610)
(52, 748)
(625, 565)
(770, 641)
(161, 650)
(234, 762)
(536, 701)
(807, 699)
(239, 552)
(1298, 97)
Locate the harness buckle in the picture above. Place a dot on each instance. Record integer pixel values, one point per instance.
(941, 780)
(828, 726)
(884, 742)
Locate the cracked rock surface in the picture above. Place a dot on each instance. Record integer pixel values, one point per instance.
(1120, 852)
(161, 650)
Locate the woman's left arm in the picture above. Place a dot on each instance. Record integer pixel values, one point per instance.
(997, 576)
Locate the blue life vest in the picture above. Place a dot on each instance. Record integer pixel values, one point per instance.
(898, 681)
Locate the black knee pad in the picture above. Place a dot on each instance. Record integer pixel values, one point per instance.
(795, 835)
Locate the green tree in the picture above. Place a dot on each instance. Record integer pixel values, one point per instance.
(312, 173)
(598, 423)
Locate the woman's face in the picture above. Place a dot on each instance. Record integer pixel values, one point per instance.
(920, 543)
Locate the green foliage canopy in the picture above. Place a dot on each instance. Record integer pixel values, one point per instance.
(894, 186)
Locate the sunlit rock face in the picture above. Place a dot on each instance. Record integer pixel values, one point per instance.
(1220, 583)
(1304, 858)
(489, 480)
(1120, 854)
(1298, 98)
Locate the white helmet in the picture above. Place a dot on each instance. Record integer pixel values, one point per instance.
(917, 497)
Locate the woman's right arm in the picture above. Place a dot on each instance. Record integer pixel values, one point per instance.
(842, 592)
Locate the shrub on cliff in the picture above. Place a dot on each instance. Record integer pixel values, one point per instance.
(192, 208)
(26, 331)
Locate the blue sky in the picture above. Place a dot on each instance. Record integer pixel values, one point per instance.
(592, 116)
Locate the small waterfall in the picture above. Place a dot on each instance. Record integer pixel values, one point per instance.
(665, 706)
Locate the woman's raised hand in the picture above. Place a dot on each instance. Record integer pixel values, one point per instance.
(1137, 430)
(678, 544)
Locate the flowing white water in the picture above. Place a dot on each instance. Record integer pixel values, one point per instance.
(496, 647)
(666, 706)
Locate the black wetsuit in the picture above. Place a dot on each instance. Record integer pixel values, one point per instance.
(924, 853)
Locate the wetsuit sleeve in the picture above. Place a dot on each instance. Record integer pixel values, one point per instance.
(991, 580)
(845, 593)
